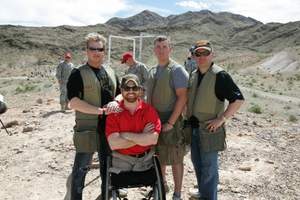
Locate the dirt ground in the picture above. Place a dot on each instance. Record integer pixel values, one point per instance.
(261, 161)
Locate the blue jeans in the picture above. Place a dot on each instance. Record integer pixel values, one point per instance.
(80, 169)
(206, 168)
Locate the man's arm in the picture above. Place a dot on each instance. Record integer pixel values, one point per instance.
(84, 107)
(232, 108)
(115, 142)
(145, 74)
(142, 139)
(181, 94)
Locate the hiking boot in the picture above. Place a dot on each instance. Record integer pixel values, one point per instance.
(194, 193)
(175, 197)
(123, 192)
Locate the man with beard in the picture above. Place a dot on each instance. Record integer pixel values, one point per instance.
(132, 132)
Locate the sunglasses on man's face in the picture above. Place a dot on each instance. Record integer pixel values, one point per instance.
(133, 88)
(95, 49)
(202, 53)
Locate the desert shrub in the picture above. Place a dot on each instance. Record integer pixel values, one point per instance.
(47, 85)
(25, 88)
(255, 109)
(292, 118)
(254, 95)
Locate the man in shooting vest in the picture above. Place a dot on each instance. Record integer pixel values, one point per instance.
(63, 72)
(167, 93)
(90, 88)
(209, 87)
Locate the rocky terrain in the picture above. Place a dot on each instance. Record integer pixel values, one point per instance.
(262, 158)
(261, 162)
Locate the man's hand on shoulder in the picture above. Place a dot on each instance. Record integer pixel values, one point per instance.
(113, 107)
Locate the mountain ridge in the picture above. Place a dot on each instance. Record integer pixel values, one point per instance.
(227, 31)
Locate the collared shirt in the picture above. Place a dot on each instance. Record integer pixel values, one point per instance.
(134, 123)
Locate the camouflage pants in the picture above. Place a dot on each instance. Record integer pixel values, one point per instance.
(63, 99)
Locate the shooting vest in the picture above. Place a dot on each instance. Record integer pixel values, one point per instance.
(86, 135)
(203, 104)
(162, 97)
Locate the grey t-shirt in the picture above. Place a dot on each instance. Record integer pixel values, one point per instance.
(179, 78)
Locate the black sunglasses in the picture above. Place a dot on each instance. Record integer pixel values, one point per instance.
(202, 53)
(134, 88)
(95, 49)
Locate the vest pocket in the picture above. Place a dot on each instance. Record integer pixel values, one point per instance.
(173, 136)
(212, 141)
(86, 141)
(187, 133)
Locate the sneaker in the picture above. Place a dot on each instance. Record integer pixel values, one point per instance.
(194, 193)
(176, 197)
(123, 192)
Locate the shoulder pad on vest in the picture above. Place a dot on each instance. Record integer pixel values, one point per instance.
(216, 69)
(82, 67)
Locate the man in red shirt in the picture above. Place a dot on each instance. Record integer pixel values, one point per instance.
(132, 132)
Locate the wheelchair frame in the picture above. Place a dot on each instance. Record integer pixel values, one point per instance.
(157, 192)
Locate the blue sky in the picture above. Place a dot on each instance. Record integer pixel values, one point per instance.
(89, 12)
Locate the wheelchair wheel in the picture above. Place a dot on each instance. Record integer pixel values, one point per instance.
(158, 189)
(107, 181)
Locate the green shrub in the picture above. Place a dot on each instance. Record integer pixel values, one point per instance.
(292, 118)
(255, 109)
(25, 88)
(254, 95)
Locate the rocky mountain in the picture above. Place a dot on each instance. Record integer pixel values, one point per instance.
(145, 19)
(228, 32)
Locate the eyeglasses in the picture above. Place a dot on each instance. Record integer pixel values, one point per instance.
(202, 53)
(95, 49)
(134, 88)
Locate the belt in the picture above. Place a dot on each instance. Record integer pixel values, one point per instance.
(140, 155)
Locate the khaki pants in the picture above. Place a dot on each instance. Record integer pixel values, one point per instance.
(123, 163)
(170, 154)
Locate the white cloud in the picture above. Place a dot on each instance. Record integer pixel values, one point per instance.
(53, 13)
(267, 10)
(194, 5)
(263, 10)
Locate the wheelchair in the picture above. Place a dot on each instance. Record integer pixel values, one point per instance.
(132, 179)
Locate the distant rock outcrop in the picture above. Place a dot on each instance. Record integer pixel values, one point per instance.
(281, 62)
